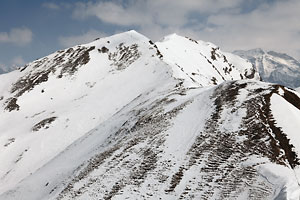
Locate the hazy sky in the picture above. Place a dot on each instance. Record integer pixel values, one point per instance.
(30, 29)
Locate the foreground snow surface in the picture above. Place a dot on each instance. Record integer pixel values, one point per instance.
(124, 118)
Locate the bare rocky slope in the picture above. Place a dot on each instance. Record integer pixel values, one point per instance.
(125, 118)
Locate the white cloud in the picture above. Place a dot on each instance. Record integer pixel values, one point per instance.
(271, 26)
(51, 6)
(110, 12)
(67, 41)
(18, 36)
(148, 12)
(231, 24)
(18, 61)
(152, 18)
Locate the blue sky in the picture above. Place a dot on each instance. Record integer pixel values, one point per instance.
(44, 24)
(30, 29)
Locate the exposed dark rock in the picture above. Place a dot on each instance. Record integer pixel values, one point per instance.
(214, 54)
(12, 104)
(69, 62)
(214, 80)
(23, 68)
(251, 75)
(29, 82)
(103, 50)
(43, 124)
(195, 41)
(124, 56)
(176, 178)
(9, 142)
(79, 57)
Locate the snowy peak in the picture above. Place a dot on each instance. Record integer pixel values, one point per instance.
(284, 59)
(202, 63)
(116, 53)
(123, 117)
(274, 67)
(59, 98)
(196, 63)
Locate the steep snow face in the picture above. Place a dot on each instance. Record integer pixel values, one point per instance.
(202, 63)
(274, 67)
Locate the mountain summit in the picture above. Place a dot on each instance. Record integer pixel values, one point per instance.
(274, 67)
(126, 118)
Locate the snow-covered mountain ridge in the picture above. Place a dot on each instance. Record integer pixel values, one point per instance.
(125, 118)
(274, 67)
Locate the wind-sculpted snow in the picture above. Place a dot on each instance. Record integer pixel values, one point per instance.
(126, 118)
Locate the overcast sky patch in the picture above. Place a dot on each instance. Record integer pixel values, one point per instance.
(18, 36)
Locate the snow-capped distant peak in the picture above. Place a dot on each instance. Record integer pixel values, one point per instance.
(274, 67)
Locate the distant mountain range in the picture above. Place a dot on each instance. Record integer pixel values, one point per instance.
(5, 69)
(124, 117)
(274, 67)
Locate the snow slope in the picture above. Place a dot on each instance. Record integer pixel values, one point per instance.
(68, 107)
(206, 63)
(124, 118)
(274, 67)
